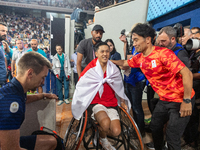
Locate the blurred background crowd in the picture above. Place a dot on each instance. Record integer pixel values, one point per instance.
(25, 28)
(71, 4)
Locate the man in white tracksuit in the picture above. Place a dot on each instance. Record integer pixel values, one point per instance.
(62, 70)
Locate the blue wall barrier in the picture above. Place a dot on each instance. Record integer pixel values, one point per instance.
(188, 15)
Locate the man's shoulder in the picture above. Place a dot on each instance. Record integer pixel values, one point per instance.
(116, 53)
(183, 52)
(162, 50)
(39, 50)
(89, 66)
(85, 45)
(86, 41)
(7, 90)
(29, 50)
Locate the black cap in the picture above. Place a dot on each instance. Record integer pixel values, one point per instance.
(98, 27)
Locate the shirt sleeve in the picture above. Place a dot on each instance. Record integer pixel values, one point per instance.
(80, 47)
(171, 61)
(11, 112)
(14, 56)
(44, 54)
(133, 62)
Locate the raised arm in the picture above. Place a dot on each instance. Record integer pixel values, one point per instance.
(121, 63)
(78, 65)
(35, 97)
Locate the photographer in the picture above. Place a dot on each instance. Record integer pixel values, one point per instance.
(167, 38)
(187, 35)
(191, 131)
(194, 31)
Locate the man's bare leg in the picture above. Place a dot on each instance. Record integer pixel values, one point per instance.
(45, 142)
(107, 127)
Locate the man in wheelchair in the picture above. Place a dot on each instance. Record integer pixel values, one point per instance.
(99, 86)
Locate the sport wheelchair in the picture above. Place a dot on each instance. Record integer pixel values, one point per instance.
(86, 128)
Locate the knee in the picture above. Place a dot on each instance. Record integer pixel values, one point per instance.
(116, 131)
(45, 142)
(52, 142)
(105, 125)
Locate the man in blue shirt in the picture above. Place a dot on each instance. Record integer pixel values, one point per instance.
(3, 71)
(32, 70)
(34, 47)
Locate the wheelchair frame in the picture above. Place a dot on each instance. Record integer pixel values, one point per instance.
(85, 130)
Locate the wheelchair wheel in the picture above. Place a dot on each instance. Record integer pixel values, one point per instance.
(75, 132)
(130, 131)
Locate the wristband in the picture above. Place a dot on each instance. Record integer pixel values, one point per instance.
(57, 76)
(187, 100)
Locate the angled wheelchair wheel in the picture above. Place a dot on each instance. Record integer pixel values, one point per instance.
(130, 131)
(75, 132)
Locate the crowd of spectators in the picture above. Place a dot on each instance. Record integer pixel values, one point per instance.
(83, 4)
(26, 28)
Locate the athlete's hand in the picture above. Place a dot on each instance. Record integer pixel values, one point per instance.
(50, 96)
(58, 77)
(123, 105)
(185, 109)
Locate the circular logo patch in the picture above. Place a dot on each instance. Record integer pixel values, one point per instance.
(14, 106)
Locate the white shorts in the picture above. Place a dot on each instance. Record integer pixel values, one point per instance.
(111, 112)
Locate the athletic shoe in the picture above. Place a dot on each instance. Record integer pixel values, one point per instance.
(147, 120)
(150, 145)
(66, 101)
(165, 148)
(60, 102)
(106, 144)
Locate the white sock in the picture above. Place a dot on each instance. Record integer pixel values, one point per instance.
(104, 139)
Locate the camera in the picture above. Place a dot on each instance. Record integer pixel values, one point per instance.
(126, 33)
(192, 44)
(179, 29)
(129, 47)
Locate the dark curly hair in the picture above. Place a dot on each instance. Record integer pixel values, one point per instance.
(144, 30)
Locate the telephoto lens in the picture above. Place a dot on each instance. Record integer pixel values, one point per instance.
(192, 44)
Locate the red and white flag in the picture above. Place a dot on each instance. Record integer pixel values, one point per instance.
(91, 81)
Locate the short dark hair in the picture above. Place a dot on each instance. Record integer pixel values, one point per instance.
(100, 44)
(144, 30)
(3, 23)
(32, 60)
(59, 45)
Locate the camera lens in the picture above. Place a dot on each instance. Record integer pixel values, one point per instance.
(192, 44)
